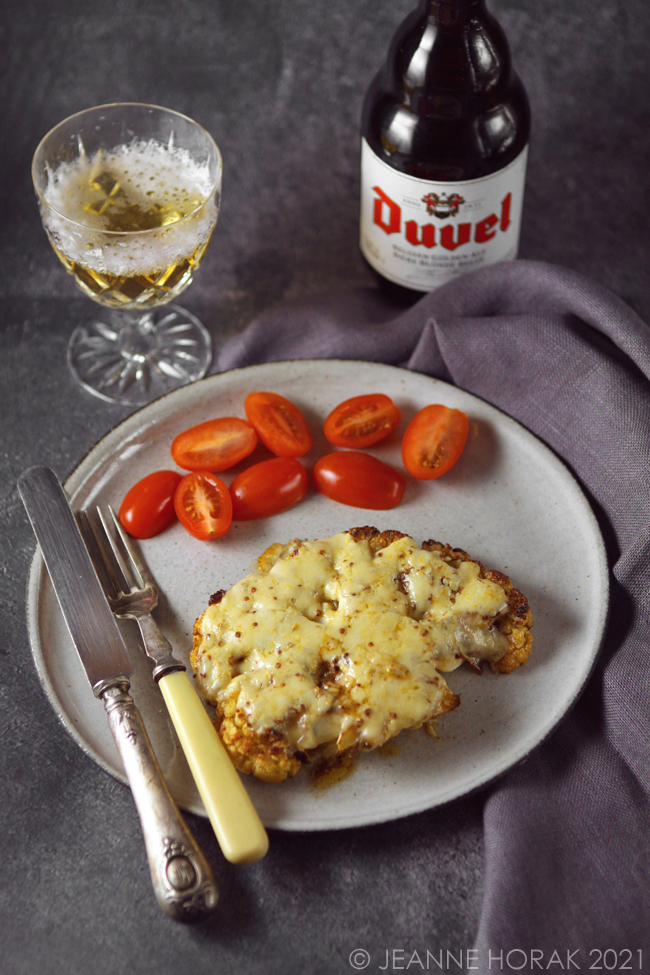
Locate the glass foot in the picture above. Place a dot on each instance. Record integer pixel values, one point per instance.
(133, 359)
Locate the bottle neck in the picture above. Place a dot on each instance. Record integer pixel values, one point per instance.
(452, 13)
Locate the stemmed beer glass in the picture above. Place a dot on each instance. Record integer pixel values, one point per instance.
(129, 195)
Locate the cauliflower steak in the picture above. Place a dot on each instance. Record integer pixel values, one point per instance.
(341, 643)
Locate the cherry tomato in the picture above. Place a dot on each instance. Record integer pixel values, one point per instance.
(214, 445)
(433, 441)
(268, 488)
(203, 505)
(362, 420)
(279, 424)
(359, 480)
(148, 507)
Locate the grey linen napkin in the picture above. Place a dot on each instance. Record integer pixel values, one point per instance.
(567, 834)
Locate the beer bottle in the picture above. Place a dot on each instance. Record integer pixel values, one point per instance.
(445, 129)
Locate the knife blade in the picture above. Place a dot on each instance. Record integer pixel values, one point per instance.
(87, 615)
(181, 877)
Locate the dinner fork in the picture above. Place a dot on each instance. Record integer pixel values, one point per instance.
(132, 593)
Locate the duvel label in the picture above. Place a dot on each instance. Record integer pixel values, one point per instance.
(421, 234)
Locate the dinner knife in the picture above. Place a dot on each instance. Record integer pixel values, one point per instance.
(182, 879)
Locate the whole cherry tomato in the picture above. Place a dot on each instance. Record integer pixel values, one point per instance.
(279, 424)
(359, 480)
(268, 488)
(362, 420)
(433, 441)
(203, 505)
(148, 507)
(214, 445)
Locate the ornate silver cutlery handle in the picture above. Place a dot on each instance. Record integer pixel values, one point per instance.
(182, 879)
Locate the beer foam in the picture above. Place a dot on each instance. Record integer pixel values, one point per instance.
(160, 192)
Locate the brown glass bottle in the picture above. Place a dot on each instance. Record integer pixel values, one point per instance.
(446, 108)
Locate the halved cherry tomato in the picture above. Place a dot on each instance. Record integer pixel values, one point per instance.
(203, 505)
(433, 441)
(214, 445)
(279, 424)
(148, 508)
(362, 420)
(268, 488)
(359, 480)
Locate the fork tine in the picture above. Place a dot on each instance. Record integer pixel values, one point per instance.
(127, 571)
(111, 563)
(145, 576)
(97, 554)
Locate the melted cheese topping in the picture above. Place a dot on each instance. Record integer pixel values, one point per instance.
(329, 641)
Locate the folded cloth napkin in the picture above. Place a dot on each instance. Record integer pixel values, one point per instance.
(567, 834)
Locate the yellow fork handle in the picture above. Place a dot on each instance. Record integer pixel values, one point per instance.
(238, 828)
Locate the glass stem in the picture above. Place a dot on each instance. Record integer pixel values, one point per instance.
(138, 337)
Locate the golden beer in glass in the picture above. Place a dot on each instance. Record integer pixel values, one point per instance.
(129, 196)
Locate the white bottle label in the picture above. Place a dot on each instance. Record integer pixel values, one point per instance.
(420, 233)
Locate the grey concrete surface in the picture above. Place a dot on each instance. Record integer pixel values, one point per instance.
(279, 85)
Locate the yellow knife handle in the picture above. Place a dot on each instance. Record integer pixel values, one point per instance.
(238, 828)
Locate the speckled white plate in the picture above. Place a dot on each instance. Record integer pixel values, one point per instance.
(509, 502)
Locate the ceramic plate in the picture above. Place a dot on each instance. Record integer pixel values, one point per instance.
(509, 502)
